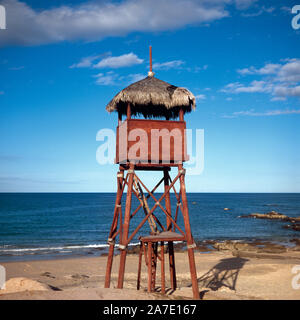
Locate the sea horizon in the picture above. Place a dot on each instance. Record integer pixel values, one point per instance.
(48, 225)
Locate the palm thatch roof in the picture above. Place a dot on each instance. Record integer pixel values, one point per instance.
(153, 98)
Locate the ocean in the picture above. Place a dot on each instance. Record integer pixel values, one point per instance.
(53, 225)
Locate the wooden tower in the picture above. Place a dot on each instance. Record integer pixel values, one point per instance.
(151, 98)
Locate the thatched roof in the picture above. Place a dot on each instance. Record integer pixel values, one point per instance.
(152, 97)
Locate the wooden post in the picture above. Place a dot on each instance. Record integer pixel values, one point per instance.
(149, 266)
(128, 111)
(167, 198)
(119, 118)
(113, 230)
(150, 58)
(181, 116)
(162, 257)
(189, 238)
(172, 265)
(123, 242)
(140, 266)
(154, 263)
(169, 228)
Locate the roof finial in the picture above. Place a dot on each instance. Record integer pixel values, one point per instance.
(150, 73)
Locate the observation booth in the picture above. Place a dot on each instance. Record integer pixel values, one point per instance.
(151, 144)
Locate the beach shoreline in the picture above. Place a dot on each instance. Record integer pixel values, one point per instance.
(233, 271)
(203, 246)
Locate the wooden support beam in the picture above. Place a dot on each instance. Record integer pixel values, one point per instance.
(124, 240)
(154, 263)
(167, 200)
(149, 266)
(152, 215)
(172, 265)
(128, 111)
(113, 230)
(150, 58)
(139, 267)
(147, 197)
(179, 204)
(153, 208)
(162, 261)
(157, 202)
(189, 238)
(150, 246)
(119, 118)
(181, 115)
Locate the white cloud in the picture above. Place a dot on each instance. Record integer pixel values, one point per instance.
(136, 77)
(253, 113)
(281, 80)
(286, 9)
(97, 19)
(85, 62)
(269, 68)
(200, 97)
(255, 86)
(278, 99)
(107, 79)
(287, 91)
(244, 4)
(111, 78)
(290, 72)
(125, 60)
(262, 10)
(175, 64)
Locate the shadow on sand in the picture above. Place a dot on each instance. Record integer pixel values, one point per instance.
(223, 274)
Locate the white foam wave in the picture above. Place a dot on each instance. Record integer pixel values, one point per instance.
(62, 248)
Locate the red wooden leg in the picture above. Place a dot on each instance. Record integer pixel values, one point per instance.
(123, 242)
(154, 263)
(149, 266)
(162, 255)
(139, 266)
(167, 199)
(172, 265)
(189, 238)
(113, 230)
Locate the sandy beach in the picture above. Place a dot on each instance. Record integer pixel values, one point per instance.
(224, 274)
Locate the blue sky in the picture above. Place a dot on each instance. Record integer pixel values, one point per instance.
(62, 61)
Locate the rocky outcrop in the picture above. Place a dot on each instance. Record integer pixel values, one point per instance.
(233, 245)
(273, 215)
(259, 247)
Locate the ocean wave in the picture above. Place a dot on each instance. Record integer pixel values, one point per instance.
(61, 248)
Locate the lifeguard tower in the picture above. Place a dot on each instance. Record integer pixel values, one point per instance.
(151, 145)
